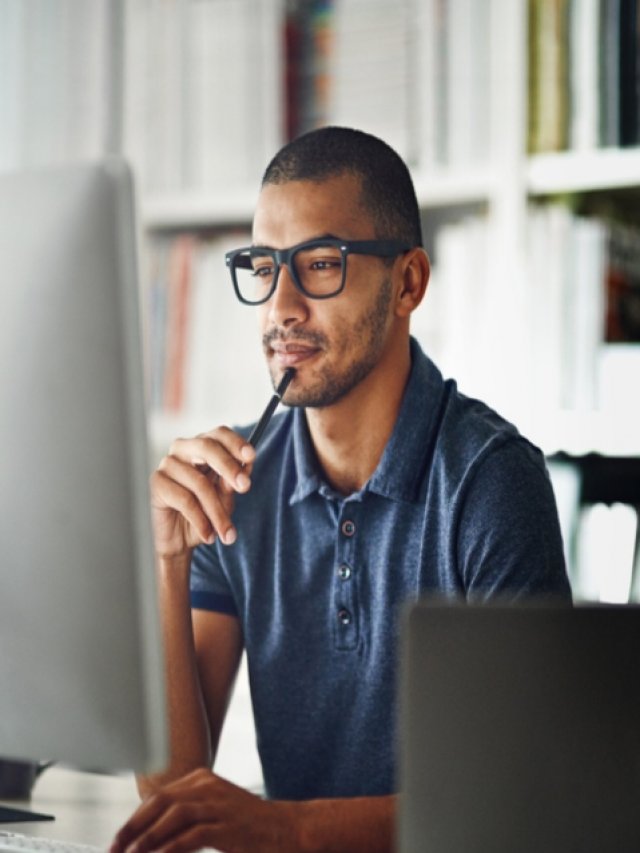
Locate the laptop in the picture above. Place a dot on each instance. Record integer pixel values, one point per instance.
(520, 729)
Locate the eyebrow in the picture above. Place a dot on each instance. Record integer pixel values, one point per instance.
(326, 236)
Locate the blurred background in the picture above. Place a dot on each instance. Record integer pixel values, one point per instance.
(520, 122)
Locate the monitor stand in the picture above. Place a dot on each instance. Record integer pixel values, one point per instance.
(8, 814)
(16, 781)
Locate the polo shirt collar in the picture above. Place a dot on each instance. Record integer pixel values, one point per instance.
(308, 477)
(400, 473)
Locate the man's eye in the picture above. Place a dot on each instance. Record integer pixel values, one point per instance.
(325, 264)
(262, 270)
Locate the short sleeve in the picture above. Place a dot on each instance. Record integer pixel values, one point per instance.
(508, 533)
(210, 588)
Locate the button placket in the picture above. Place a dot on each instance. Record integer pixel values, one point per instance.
(345, 609)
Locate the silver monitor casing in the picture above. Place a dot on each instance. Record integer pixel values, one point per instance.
(81, 673)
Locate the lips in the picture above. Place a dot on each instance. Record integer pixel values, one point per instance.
(291, 354)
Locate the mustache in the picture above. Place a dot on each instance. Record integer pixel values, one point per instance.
(300, 336)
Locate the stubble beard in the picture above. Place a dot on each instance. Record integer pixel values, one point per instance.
(366, 338)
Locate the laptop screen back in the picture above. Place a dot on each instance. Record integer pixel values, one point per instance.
(520, 729)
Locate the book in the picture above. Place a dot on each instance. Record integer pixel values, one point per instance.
(56, 61)
(203, 100)
(584, 75)
(548, 73)
(609, 72)
(225, 372)
(198, 334)
(584, 313)
(468, 55)
(629, 70)
(372, 63)
(605, 553)
(623, 284)
(178, 317)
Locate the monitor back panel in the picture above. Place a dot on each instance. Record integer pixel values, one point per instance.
(520, 730)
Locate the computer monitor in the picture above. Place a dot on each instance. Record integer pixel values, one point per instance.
(81, 669)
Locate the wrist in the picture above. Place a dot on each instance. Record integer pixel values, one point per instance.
(290, 836)
(173, 565)
(335, 825)
(174, 574)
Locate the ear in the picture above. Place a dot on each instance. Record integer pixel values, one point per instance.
(414, 277)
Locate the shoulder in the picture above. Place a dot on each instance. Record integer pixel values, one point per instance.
(471, 431)
(489, 468)
(443, 437)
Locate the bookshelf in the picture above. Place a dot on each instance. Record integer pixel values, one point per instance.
(470, 203)
(200, 94)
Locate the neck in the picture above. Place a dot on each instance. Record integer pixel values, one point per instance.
(350, 436)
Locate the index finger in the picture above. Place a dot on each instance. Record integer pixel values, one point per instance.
(186, 788)
(144, 816)
(221, 450)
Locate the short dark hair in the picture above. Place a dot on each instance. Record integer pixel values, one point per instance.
(387, 189)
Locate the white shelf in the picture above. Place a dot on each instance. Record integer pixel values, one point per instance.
(465, 186)
(199, 210)
(570, 171)
(236, 207)
(580, 433)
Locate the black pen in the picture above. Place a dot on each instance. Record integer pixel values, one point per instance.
(260, 427)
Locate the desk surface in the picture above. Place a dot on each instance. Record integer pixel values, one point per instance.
(88, 808)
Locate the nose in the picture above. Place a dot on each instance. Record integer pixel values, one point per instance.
(287, 306)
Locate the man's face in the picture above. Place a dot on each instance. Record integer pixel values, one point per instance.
(333, 344)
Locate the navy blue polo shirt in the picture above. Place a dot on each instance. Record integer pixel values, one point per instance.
(459, 505)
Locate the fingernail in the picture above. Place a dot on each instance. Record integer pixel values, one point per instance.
(247, 453)
(243, 482)
(230, 536)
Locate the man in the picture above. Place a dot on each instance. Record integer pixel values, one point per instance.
(380, 483)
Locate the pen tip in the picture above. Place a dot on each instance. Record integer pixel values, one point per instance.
(287, 376)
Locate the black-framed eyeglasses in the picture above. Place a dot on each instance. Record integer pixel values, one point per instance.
(318, 268)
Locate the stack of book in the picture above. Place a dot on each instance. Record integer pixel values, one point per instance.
(203, 91)
(563, 338)
(416, 74)
(57, 82)
(583, 73)
(584, 313)
(566, 292)
(200, 341)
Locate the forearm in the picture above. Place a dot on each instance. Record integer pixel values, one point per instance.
(189, 741)
(356, 824)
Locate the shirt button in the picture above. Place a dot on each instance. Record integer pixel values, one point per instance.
(344, 617)
(344, 572)
(348, 528)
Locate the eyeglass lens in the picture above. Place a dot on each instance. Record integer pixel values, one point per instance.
(318, 270)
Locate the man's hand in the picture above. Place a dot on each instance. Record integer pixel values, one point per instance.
(192, 491)
(202, 810)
